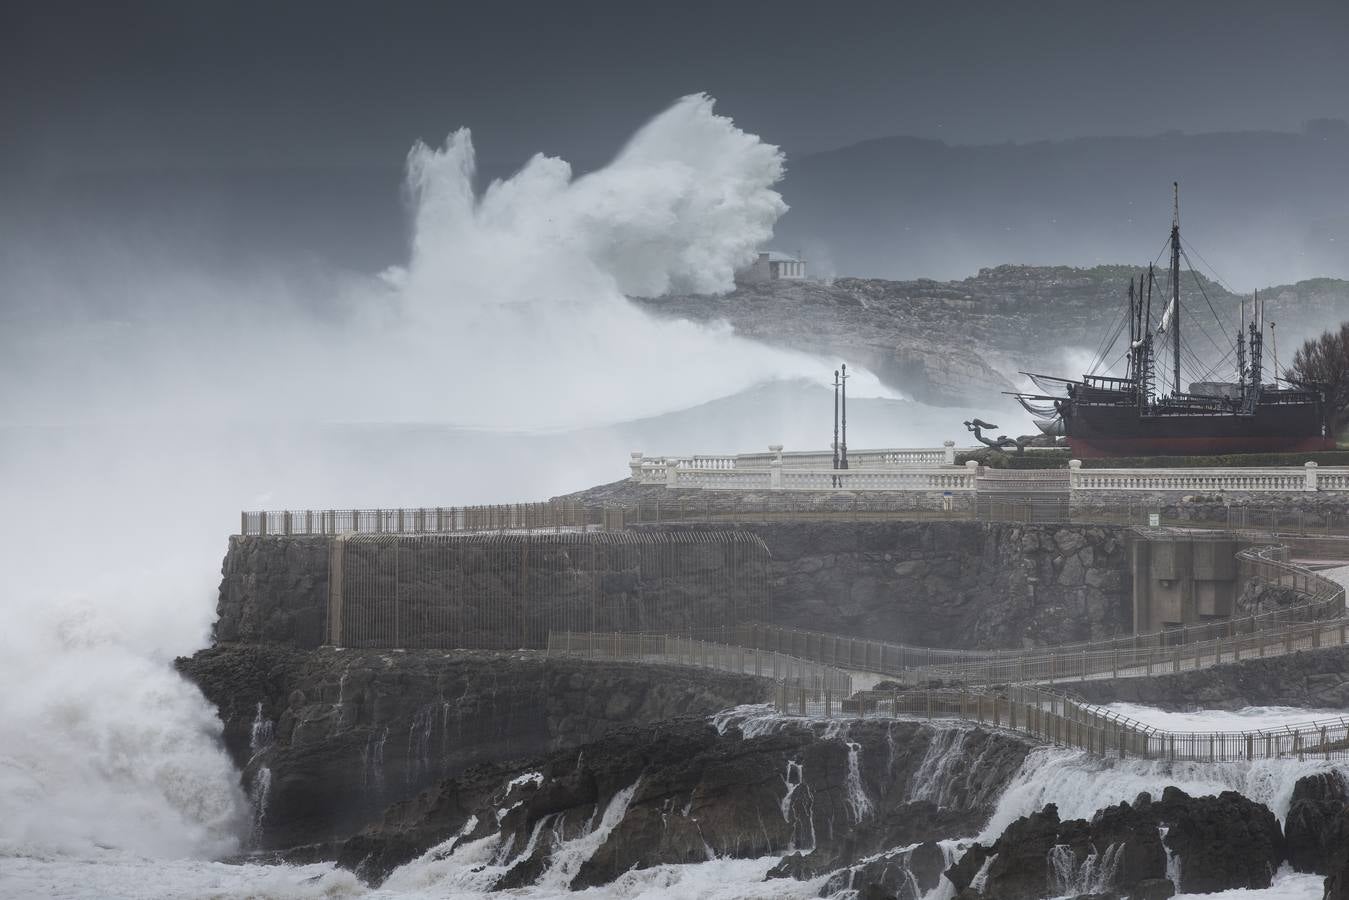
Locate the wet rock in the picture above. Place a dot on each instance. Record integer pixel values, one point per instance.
(1137, 855)
(680, 792)
(1223, 842)
(1315, 826)
(355, 730)
(1153, 889)
(927, 862)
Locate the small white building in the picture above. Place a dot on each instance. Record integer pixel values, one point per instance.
(772, 266)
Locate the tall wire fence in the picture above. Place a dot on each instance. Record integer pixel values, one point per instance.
(1314, 618)
(1053, 717)
(731, 509)
(580, 580)
(817, 679)
(509, 591)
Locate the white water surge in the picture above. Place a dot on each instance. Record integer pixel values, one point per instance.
(112, 780)
(509, 313)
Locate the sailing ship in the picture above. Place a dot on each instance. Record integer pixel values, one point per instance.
(1134, 415)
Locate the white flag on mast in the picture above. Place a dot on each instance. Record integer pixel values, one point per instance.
(1166, 317)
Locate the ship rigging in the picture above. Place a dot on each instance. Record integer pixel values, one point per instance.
(1108, 415)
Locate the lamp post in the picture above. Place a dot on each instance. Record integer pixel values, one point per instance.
(843, 450)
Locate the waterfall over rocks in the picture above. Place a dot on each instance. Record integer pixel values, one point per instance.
(826, 794)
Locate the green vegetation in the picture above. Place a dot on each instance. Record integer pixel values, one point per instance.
(1323, 364)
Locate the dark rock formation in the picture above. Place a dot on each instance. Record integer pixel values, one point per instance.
(273, 590)
(1221, 843)
(1317, 826)
(681, 791)
(349, 732)
(1311, 678)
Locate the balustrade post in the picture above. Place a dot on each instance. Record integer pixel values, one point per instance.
(1309, 479)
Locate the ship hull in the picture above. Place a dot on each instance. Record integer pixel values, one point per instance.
(1101, 447)
(1105, 429)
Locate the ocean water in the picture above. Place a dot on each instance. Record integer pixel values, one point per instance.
(1078, 783)
(143, 404)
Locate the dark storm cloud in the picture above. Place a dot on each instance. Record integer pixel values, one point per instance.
(268, 84)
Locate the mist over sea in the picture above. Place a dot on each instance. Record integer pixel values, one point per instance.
(143, 404)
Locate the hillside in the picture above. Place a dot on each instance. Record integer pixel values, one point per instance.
(957, 342)
(1261, 206)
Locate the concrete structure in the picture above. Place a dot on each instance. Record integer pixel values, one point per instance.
(773, 266)
(1182, 578)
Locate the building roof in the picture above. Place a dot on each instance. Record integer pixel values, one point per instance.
(776, 256)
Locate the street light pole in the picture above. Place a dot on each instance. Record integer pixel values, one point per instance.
(843, 451)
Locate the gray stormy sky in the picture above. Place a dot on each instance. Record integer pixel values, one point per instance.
(142, 85)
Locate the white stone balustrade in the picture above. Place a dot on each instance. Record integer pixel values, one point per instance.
(933, 470)
(655, 469)
(1308, 477)
(776, 477)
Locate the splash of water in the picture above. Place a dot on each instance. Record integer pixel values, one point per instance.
(526, 285)
(104, 745)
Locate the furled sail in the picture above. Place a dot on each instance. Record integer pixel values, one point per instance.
(1051, 427)
(1047, 384)
(1043, 411)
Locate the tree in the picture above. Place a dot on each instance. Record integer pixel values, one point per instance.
(1323, 364)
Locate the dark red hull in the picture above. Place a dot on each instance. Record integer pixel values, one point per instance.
(1101, 446)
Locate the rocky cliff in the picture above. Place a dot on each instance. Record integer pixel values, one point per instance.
(960, 342)
(825, 794)
(326, 739)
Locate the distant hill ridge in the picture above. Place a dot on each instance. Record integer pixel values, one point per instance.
(1262, 206)
(963, 341)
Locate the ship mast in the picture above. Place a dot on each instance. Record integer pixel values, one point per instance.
(1175, 285)
(1133, 332)
(1147, 375)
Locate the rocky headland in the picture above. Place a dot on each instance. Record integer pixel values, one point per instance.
(960, 342)
(517, 769)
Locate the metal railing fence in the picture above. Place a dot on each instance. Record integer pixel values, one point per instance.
(1318, 620)
(1060, 719)
(423, 520)
(816, 678)
(729, 509)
